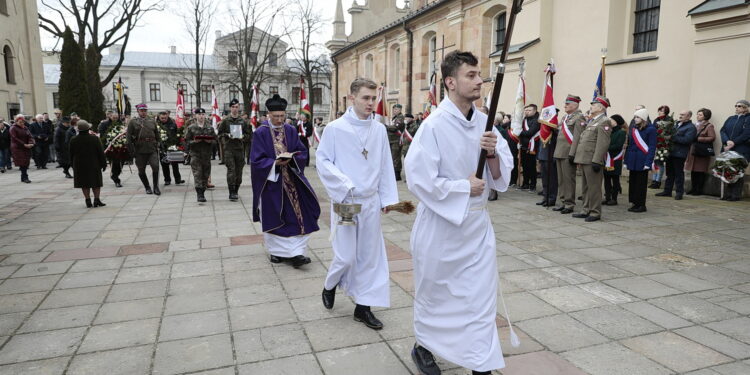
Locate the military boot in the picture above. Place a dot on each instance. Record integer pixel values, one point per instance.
(200, 193)
(233, 192)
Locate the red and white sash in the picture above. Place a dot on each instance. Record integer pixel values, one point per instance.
(407, 135)
(532, 142)
(566, 132)
(639, 142)
(610, 162)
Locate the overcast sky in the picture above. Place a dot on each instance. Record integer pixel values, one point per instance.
(159, 30)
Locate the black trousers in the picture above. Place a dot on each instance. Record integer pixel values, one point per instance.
(41, 154)
(175, 171)
(675, 175)
(549, 180)
(697, 179)
(115, 169)
(637, 187)
(612, 186)
(514, 172)
(528, 163)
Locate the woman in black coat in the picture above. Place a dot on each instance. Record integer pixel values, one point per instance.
(88, 161)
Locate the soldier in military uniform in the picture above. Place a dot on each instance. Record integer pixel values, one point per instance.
(200, 138)
(411, 126)
(234, 145)
(395, 130)
(143, 134)
(574, 123)
(589, 151)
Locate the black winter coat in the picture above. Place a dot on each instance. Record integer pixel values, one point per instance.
(87, 157)
(61, 144)
(526, 135)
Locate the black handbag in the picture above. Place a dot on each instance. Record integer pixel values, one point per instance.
(703, 148)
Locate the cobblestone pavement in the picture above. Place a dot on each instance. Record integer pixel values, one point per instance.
(163, 285)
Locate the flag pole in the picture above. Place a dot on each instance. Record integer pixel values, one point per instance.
(515, 9)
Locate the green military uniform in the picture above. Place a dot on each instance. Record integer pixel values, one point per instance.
(590, 152)
(144, 136)
(566, 171)
(412, 129)
(395, 130)
(235, 150)
(200, 151)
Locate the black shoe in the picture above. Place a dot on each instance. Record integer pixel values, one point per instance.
(274, 259)
(655, 185)
(566, 211)
(481, 372)
(156, 190)
(592, 218)
(98, 203)
(329, 296)
(167, 183)
(610, 202)
(299, 261)
(67, 175)
(664, 194)
(637, 209)
(26, 181)
(558, 209)
(733, 199)
(523, 187)
(179, 182)
(493, 195)
(368, 318)
(678, 197)
(542, 203)
(44, 167)
(148, 190)
(233, 193)
(118, 184)
(580, 215)
(424, 360)
(398, 177)
(580, 198)
(88, 203)
(200, 194)
(724, 198)
(540, 193)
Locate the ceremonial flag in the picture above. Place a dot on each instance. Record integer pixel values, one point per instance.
(254, 108)
(380, 113)
(119, 97)
(215, 114)
(431, 96)
(548, 117)
(304, 106)
(601, 80)
(518, 119)
(179, 113)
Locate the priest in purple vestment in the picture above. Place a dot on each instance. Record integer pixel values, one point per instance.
(283, 200)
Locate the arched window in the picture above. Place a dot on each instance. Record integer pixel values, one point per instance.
(395, 67)
(500, 32)
(369, 67)
(10, 74)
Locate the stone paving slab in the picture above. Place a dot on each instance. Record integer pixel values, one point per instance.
(163, 285)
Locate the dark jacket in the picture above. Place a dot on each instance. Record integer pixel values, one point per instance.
(544, 149)
(42, 132)
(526, 135)
(682, 139)
(737, 129)
(5, 138)
(61, 144)
(173, 133)
(635, 159)
(512, 144)
(616, 142)
(103, 130)
(87, 159)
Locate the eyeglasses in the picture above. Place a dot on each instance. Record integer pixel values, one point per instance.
(740, 106)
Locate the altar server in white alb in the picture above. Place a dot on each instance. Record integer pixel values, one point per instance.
(354, 164)
(452, 241)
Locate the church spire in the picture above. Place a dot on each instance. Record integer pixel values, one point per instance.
(338, 40)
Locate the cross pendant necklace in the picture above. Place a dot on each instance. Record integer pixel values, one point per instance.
(363, 144)
(364, 153)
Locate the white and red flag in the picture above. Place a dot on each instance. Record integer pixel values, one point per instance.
(179, 113)
(254, 108)
(215, 114)
(610, 162)
(548, 117)
(380, 113)
(431, 97)
(518, 120)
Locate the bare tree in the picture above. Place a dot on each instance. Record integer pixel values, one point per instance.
(198, 15)
(252, 51)
(311, 62)
(103, 23)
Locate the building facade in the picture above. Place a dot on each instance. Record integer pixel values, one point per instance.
(153, 78)
(686, 54)
(21, 74)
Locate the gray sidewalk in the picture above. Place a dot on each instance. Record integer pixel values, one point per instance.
(163, 285)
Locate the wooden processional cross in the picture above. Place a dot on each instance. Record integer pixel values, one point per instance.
(442, 57)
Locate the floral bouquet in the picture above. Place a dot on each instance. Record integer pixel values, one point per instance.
(729, 167)
(117, 142)
(664, 132)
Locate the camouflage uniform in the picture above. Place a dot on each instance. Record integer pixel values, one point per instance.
(412, 127)
(200, 151)
(394, 138)
(234, 151)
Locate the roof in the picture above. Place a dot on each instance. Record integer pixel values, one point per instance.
(159, 60)
(51, 74)
(412, 15)
(714, 5)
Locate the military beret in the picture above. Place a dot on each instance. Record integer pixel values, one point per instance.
(141, 106)
(398, 106)
(601, 100)
(233, 102)
(199, 110)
